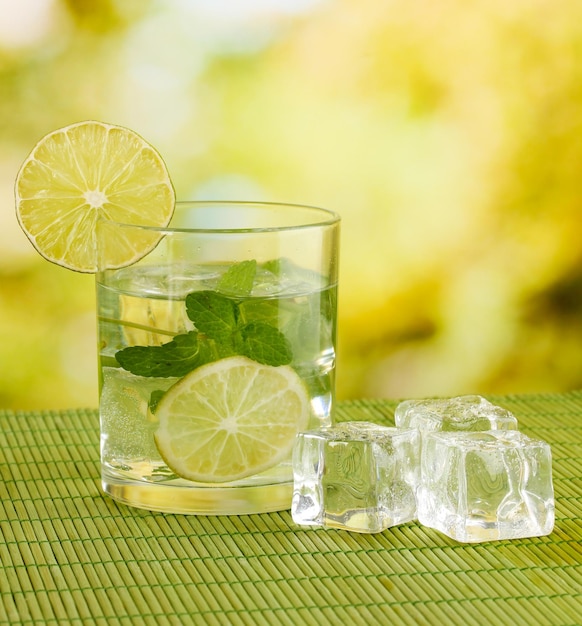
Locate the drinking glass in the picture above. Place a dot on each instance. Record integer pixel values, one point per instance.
(224, 281)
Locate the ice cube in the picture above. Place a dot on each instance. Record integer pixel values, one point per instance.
(483, 486)
(355, 476)
(127, 425)
(462, 413)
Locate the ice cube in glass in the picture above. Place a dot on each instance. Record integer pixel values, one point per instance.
(483, 486)
(355, 476)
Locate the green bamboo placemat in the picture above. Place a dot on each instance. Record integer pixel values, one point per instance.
(70, 555)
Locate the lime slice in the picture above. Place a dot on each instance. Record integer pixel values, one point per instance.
(88, 170)
(230, 419)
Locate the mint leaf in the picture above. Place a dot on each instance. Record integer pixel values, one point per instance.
(258, 310)
(238, 280)
(214, 315)
(175, 358)
(287, 269)
(265, 344)
(274, 266)
(155, 398)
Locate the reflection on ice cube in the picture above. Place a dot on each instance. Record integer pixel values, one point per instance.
(481, 486)
(462, 413)
(355, 476)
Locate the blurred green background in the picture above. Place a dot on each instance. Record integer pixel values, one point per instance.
(447, 134)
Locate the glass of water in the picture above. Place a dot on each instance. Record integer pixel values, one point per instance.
(215, 350)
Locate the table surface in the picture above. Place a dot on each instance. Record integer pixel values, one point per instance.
(69, 554)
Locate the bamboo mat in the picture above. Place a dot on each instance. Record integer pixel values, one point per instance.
(70, 555)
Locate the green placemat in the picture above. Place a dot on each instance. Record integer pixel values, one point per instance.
(69, 554)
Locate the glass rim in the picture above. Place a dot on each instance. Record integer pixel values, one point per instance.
(329, 218)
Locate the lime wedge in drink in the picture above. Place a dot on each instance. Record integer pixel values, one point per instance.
(230, 419)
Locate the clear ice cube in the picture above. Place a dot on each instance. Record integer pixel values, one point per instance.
(355, 476)
(483, 486)
(462, 413)
(127, 426)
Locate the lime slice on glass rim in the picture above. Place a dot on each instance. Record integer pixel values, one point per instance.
(86, 171)
(230, 419)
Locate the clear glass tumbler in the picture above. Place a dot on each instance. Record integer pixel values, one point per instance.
(215, 349)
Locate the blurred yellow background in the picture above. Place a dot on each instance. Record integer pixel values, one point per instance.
(447, 134)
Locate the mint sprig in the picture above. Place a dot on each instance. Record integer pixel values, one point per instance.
(220, 331)
(175, 358)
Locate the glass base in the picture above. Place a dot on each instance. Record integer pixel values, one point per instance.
(200, 500)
